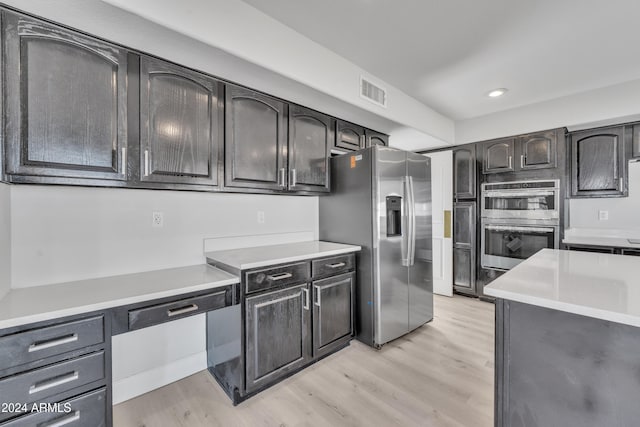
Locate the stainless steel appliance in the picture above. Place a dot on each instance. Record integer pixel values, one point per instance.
(381, 200)
(518, 219)
(526, 200)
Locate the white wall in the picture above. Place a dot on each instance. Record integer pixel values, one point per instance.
(571, 111)
(624, 212)
(69, 233)
(5, 238)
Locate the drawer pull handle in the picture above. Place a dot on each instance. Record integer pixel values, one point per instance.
(54, 382)
(280, 276)
(64, 420)
(42, 345)
(336, 265)
(182, 310)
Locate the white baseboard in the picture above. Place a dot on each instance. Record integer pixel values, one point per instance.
(144, 382)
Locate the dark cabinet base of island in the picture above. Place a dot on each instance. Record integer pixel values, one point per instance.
(289, 317)
(555, 368)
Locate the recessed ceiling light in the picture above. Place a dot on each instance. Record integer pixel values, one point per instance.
(497, 92)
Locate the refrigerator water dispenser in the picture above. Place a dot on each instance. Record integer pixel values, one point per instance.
(394, 216)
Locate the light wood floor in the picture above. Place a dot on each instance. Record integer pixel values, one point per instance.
(439, 375)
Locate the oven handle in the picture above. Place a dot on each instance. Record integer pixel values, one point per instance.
(488, 193)
(509, 228)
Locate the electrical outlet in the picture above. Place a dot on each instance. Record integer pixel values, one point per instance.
(603, 215)
(157, 220)
(261, 218)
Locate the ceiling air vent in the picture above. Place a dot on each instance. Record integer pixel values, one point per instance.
(373, 92)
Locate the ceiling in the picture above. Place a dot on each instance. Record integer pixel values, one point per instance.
(449, 53)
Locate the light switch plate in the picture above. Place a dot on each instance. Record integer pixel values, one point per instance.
(603, 215)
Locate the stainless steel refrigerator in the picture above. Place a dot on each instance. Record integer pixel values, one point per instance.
(381, 200)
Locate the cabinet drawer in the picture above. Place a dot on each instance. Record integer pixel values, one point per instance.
(88, 410)
(257, 280)
(160, 313)
(36, 344)
(334, 265)
(44, 383)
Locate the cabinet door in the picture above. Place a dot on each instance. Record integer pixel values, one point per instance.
(498, 156)
(310, 139)
(180, 134)
(65, 99)
(464, 225)
(376, 138)
(464, 172)
(537, 151)
(597, 163)
(256, 140)
(278, 334)
(349, 136)
(464, 270)
(332, 312)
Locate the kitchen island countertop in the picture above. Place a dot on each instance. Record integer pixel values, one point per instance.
(601, 286)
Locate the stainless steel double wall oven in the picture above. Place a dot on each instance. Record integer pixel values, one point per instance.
(518, 219)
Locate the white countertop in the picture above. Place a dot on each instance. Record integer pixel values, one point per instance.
(260, 256)
(602, 237)
(28, 305)
(602, 286)
(616, 242)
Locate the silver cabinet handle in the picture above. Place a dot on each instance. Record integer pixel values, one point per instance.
(283, 181)
(317, 294)
(37, 346)
(54, 382)
(64, 420)
(521, 161)
(123, 158)
(146, 162)
(510, 161)
(182, 310)
(294, 178)
(280, 276)
(306, 299)
(335, 265)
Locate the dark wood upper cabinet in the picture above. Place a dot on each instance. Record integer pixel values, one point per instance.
(180, 133)
(537, 151)
(598, 163)
(349, 136)
(497, 156)
(464, 172)
(376, 138)
(310, 137)
(66, 102)
(635, 152)
(256, 140)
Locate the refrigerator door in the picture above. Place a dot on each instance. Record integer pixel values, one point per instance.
(391, 289)
(421, 256)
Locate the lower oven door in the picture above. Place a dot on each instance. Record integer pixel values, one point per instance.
(504, 245)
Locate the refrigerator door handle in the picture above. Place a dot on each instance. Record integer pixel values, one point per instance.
(405, 222)
(412, 222)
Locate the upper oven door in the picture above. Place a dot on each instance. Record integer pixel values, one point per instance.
(527, 204)
(504, 246)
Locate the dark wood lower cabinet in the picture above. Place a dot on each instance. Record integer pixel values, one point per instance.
(332, 313)
(280, 327)
(464, 271)
(278, 334)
